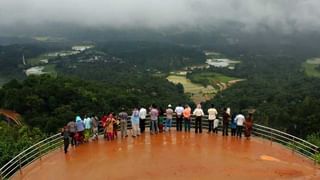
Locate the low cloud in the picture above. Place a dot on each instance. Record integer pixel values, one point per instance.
(282, 15)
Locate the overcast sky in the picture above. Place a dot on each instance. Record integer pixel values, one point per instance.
(286, 15)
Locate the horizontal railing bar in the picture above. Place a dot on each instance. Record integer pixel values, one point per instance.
(25, 160)
(10, 166)
(12, 170)
(287, 135)
(275, 134)
(58, 134)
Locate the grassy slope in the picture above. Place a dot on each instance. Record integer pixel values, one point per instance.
(210, 78)
(310, 70)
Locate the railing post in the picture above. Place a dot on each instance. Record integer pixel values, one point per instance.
(61, 146)
(271, 137)
(40, 152)
(315, 158)
(20, 165)
(293, 145)
(1, 175)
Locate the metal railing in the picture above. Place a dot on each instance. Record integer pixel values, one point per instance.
(31, 154)
(297, 145)
(35, 152)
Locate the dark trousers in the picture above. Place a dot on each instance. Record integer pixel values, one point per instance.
(198, 125)
(233, 131)
(179, 123)
(225, 129)
(239, 131)
(215, 130)
(211, 126)
(142, 125)
(187, 125)
(73, 139)
(66, 144)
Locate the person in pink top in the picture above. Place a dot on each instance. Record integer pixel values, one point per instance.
(154, 113)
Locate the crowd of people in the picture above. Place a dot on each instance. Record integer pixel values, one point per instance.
(82, 130)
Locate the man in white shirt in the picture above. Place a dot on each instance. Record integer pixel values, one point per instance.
(198, 112)
(212, 112)
(240, 120)
(179, 110)
(142, 116)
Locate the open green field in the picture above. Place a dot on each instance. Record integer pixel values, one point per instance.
(202, 86)
(210, 78)
(310, 67)
(48, 39)
(50, 69)
(37, 60)
(197, 92)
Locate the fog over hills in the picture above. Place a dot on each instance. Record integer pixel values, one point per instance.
(286, 16)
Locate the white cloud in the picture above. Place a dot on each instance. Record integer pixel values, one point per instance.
(286, 15)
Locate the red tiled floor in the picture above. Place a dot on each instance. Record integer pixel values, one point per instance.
(175, 155)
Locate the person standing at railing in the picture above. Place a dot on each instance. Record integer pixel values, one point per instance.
(123, 116)
(94, 120)
(116, 123)
(248, 125)
(135, 122)
(87, 124)
(233, 125)
(109, 127)
(198, 112)
(187, 118)
(160, 119)
(104, 124)
(142, 115)
(215, 125)
(66, 138)
(240, 120)
(154, 113)
(169, 116)
(80, 130)
(212, 115)
(179, 110)
(72, 130)
(226, 119)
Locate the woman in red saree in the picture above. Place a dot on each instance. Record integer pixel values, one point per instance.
(248, 126)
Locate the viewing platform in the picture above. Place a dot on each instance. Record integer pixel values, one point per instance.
(173, 155)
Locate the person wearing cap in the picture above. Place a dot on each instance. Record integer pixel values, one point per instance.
(198, 112)
(169, 115)
(179, 110)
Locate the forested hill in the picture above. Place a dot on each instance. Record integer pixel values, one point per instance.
(277, 86)
(48, 103)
